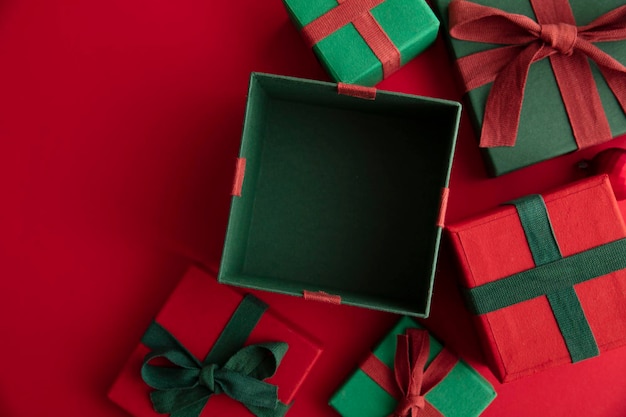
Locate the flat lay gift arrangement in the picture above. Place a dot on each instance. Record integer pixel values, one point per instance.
(210, 350)
(411, 372)
(339, 195)
(321, 206)
(547, 273)
(543, 78)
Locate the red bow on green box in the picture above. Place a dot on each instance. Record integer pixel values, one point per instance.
(554, 35)
(411, 379)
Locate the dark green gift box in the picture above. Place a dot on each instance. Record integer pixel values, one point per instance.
(544, 131)
(341, 196)
(410, 25)
(462, 393)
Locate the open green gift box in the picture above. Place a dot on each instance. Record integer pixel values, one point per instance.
(339, 197)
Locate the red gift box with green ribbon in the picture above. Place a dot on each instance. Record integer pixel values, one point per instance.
(543, 78)
(546, 276)
(211, 349)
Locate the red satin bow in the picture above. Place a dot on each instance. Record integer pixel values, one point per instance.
(410, 380)
(554, 35)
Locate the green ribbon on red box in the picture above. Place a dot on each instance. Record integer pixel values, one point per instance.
(411, 379)
(554, 35)
(184, 385)
(357, 12)
(554, 277)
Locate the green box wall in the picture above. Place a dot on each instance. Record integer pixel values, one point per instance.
(340, 194)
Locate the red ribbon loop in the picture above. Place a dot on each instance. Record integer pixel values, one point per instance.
(410, 361)
(411, 380)
(554, 35)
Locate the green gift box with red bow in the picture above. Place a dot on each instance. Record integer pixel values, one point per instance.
(410, 373)
(212, 349)
(543, 78)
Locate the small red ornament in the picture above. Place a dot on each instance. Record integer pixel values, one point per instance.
(612, 161)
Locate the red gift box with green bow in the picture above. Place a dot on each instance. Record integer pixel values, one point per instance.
(210, 348)
(546, 276)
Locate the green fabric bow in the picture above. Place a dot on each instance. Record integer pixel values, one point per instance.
(182, 390)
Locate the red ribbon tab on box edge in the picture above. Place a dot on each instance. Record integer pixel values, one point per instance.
(357, 12)
(554, 35)
(411, 380)
(240, 171)
(367, 93)
(443, 206)
(322, 296)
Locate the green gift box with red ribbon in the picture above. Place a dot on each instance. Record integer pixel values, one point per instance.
(211, 349)
(548, 272)
(410, 374)
(363, 41)
(543, 78)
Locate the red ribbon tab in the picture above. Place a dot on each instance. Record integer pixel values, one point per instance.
(443, 207)
(554, 35)
(239, 174)
(322, 296)
(357, 12)
(410, 380)
(367, 93)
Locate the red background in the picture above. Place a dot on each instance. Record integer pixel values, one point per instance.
(120, 122)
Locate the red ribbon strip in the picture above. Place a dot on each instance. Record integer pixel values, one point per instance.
(357, 12)
(367, 93)
(409, 382)
(322, 296)
(554, 35)
(443, 207)
(240, 171)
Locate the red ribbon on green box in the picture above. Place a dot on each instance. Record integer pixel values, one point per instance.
(411, 380)
(357, 12)
(554, 35)
(185, 384)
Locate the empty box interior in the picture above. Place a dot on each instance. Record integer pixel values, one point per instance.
(340, 194)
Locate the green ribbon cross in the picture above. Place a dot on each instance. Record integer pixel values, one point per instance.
(183, 387)
(553, 276)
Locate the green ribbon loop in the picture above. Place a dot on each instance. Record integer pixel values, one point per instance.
(183, 387)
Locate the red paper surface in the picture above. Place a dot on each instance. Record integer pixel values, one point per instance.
(524, 338)
(195, 314)
(120, 125)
